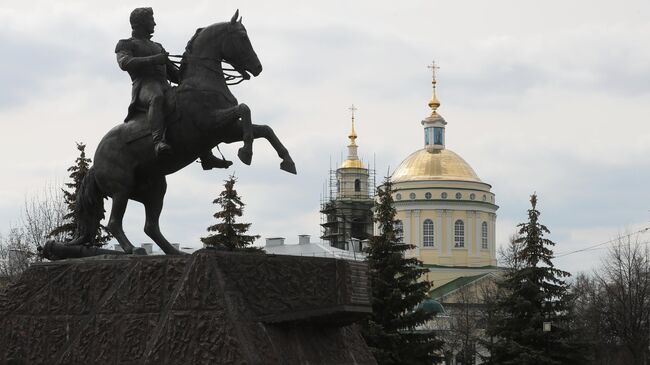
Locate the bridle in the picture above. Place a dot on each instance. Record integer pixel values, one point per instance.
(228, 77)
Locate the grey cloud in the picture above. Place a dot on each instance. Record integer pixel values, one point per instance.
(580, 194)
(27, 67)
(34, 61)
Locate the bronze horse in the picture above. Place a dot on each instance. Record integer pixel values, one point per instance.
(202, 113)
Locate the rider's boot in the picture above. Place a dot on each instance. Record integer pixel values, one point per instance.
(210, 161)
(157, 120)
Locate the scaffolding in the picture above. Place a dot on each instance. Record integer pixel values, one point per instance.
(346, 215)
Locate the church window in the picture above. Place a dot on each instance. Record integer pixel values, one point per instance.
(459, 195)
(357, 185)
(472, 196)
(399, 231)
(484, 197)
(398, 196)
(427, 195)
(427, 230)
(459, 234)
(412, 196)
(427, 131)
(443, 195)
(484, 235)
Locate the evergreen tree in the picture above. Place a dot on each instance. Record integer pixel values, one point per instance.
(77, 173)
(534, 293)
(229, 233)
(392, 331)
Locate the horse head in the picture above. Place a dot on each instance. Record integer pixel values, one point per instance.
(238, 51)
(228, 42)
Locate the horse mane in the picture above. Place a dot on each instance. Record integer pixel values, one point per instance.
(188, 49)
(190, 44)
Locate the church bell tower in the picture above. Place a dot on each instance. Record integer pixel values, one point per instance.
(346, 209)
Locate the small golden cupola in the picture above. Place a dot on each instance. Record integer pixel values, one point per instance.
(353, 158)
(434, 124)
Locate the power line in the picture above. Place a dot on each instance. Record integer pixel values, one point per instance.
(596, 247)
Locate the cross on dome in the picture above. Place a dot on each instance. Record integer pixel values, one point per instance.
(433, 68)
(353, 134)
(433, 103)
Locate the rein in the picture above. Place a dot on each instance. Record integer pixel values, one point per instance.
(228, 77)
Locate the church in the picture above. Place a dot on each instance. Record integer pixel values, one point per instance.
(444, 209)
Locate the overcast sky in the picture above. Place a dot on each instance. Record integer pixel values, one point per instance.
(551, 96)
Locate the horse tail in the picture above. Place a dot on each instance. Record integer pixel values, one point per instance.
(89, 210)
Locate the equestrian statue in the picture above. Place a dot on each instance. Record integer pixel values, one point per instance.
(166, 129)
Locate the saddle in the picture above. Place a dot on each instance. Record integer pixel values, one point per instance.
(137, 121)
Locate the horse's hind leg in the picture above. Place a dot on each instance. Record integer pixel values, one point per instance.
(264, 131)
(115, 223)
(153, 204)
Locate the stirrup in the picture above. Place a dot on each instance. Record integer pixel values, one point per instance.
(215, 163)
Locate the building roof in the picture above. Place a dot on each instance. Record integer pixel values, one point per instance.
(314, 249)
(423, 165)
(454, 285)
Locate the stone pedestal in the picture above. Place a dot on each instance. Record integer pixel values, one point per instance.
(208, 308)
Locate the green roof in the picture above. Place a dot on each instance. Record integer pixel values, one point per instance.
(455, 284)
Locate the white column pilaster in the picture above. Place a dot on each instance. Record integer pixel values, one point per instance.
(449, 227)
(477, 233)
(467, 226)
(418, 231)
(492, 234)
(437, 231)
(407, 227)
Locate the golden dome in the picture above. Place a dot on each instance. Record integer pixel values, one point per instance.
(436, 165)
(352, 164)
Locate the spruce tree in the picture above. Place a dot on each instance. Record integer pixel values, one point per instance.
(533, 294)
(392, 332)
(77, 173)
(230, 234)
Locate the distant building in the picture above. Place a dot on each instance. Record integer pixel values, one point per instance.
(461, 324)
(277, 246)
(347, 207)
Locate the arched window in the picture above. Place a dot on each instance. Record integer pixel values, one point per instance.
(427, 233)
(459, 234)
(484, 235)
(399, 231)
(357, 185)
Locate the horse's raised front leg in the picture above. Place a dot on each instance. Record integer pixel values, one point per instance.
(239, 115)
(245, 153)
(115, 224)
(264, 131)
(153, 203)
